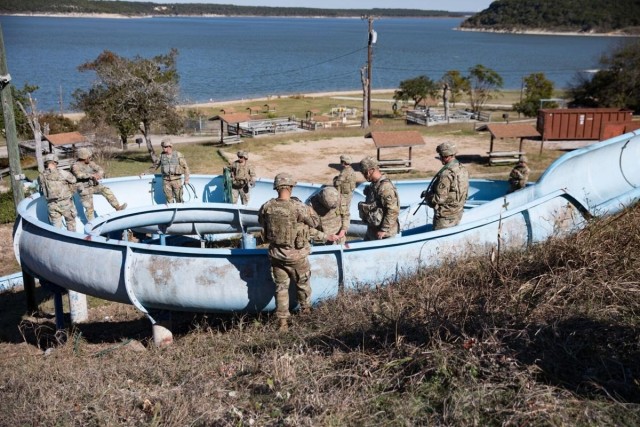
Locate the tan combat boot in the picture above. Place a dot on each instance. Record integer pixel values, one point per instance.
(283, 325)
(122, 207)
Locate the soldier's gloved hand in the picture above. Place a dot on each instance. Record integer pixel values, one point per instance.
(423, 194)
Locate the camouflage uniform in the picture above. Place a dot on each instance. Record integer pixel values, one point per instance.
(447, 194)
(243, 178)
(519, 175)
(88, 185)
(173, 166)
(328, 205)
(57, 186)
(381, 197)
(345, 183)
(286, 227)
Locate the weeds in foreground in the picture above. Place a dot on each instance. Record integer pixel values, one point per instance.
(550, 337)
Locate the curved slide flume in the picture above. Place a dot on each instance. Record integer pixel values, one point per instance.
(601, 178)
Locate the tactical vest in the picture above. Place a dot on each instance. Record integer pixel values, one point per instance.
(55, 186)
(241, 175)
(282, 227)
(170, 165)
(371, 210)
(345, 183)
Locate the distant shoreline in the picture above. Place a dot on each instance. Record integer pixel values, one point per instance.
(540, 32)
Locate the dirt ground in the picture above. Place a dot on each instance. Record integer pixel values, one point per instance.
(319, 161)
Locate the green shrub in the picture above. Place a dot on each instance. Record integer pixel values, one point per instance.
(7, 208)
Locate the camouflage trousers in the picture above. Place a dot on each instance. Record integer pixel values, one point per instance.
(440, 222)
(86, 198)
(172, 188)
(62, 209)
(282, 273)
(242, 192)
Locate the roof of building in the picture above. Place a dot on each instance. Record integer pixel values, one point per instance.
(233, 117)
(384, 139)
(66, 138)
(513, 130)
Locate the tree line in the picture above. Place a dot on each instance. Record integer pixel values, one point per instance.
(589, 16)
(197, 9)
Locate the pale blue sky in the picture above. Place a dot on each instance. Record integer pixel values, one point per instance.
(450, 5)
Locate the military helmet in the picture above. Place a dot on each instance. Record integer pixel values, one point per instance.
(523, 159)
(283, 179)
(447, 149)
(368, 163)
(243, 154)
(166, 142)
(345, 159)
(84, 153)
(50, 158)
(329, 197)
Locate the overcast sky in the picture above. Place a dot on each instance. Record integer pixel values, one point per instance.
(450, 5)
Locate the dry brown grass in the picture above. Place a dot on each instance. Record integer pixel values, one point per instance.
(551, 336)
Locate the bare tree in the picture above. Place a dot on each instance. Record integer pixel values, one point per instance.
(483, 85)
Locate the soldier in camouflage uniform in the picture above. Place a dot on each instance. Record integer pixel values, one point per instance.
(519, 175)
(381, 208)
(345, 182)
(447, 192)
(172, 165)
(58, 186)
(334, 223)
(88, 174)
(285, 222)
(243, 178)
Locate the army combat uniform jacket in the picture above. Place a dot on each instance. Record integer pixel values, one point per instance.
(381, 208)
(57, 187)
(242, 174)
(332, 221)
(447, 194)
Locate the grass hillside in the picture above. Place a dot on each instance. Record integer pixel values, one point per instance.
(550, 336)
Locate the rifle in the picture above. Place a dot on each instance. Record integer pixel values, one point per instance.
(423, 202)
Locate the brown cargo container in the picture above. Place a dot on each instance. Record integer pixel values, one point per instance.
(581, 123)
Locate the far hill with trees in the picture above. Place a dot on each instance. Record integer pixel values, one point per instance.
(585, 16)
(196, 9)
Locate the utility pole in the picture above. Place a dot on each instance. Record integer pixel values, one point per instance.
(13, 151)
(371, 41)
(10, 127)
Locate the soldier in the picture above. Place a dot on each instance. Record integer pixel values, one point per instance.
(57, 186)
(172, 165)
(243, 178)
(381, 208)
(334, 223)
(286, 221)
(447, 192)
(345, 182)
(88, 174)
(519, 175)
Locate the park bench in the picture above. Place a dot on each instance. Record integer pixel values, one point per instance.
(504, 157)
(231, 139)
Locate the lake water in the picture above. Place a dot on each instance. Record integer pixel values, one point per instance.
(234, 58)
